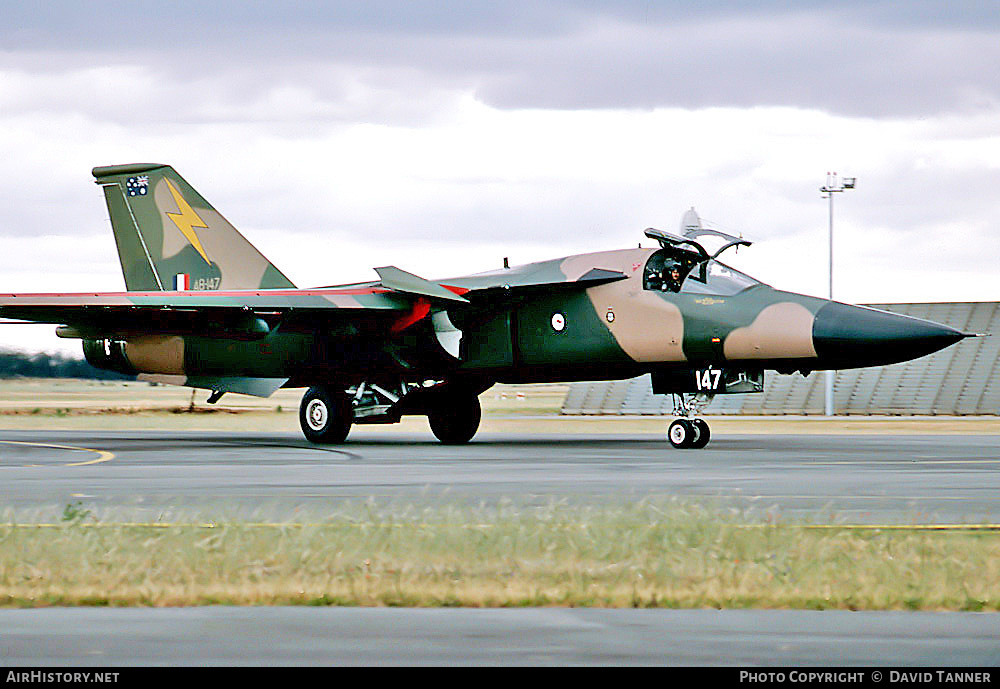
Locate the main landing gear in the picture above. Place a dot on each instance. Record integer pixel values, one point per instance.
(327, 413)
(454, 417)
(689, 433)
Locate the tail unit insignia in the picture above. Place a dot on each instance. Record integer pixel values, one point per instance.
(170, 237)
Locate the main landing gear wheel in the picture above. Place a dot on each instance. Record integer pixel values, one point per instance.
(454, 417)
(703, 434)
(325, 416)
(685, 433)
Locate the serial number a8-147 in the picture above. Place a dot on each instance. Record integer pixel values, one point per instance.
(206, 283)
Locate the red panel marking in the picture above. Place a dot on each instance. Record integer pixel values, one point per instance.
(206, 293)
(421, 307)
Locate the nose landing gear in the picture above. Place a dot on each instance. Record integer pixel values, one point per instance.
(689, 433)
(685, 433)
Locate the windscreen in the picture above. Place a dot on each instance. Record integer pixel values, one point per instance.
(713, 277)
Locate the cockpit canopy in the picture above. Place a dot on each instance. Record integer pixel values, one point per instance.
(665, 270)
(672, 270)
(684, 265)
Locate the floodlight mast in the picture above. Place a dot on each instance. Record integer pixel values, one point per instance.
(834, 185)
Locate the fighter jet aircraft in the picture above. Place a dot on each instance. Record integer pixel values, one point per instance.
(203, 308)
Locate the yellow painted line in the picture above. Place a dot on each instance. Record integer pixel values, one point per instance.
(123, 525)
(210, 525)
(717, 496)
(299, 525)
(903, 461)
(877, 527)
(102, 455)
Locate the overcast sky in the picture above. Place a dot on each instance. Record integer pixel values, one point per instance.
(441, 137)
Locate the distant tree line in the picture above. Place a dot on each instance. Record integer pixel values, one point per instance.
(17, 364)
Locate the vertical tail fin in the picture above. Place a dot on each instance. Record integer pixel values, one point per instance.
(169, 237)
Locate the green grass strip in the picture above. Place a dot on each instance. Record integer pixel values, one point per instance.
(641, 555)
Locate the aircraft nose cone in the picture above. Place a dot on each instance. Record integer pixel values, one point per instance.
(853, 336)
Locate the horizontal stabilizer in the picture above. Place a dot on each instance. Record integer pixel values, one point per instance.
(400, 281)
(241, 315)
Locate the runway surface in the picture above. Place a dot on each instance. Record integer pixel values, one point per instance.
(546, 636)
(863, 478)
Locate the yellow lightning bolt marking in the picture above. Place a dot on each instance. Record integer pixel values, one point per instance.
(187, 220)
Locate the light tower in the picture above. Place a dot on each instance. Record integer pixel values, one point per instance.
(833, 186)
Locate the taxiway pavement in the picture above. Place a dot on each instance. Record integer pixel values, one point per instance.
(863, 478)
(539, 636)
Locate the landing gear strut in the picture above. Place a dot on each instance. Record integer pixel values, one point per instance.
(687, 432)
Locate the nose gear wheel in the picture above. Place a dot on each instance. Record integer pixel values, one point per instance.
(689, 433)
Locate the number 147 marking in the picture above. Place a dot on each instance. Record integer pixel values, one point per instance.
(708, 379)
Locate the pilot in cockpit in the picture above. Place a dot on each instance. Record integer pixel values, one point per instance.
(673, 279)
(664, 274)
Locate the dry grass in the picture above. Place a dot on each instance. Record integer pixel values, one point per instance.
(645, 555)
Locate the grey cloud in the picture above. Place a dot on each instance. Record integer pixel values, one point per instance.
(120, 23)
(873, 59)
(793, 64)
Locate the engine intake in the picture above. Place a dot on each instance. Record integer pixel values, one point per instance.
(108, 355)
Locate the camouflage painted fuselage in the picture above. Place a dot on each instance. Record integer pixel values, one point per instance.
(623, 327)
(535, 323)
